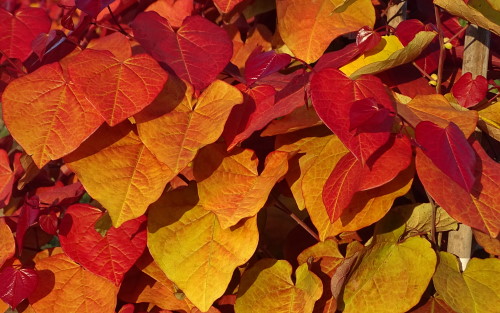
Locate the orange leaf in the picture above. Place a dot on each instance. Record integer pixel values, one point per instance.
(114, 161)
(490, 245)
(175, 11)
(307, 27)
(6, 179)
(479, 208)
(188, 123)
(47, 115)
(260, 35)
(7, 243)
(225, 6)
(116, 43)
(234, 175)
(435, 108)
(64, 286)
(117, 89)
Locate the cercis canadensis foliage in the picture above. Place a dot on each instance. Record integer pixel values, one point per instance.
(246, 156)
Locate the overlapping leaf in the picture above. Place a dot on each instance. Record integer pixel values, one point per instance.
(418, 218)
(300, 118)
(479, 208)
(473, 291)
(7, 177)
(177, 124)
(186, 50)
(117, 88)
(109, 256)
(17, 284)
(7, 244)
(193, 250)
(333, 94)
(261, 64)
(65, 286)
(392, 275)
(47, 114)
(468, 91)
(229, 184)
(307, 28)
(114, 161)
(268, 287)
(174, 11)
(19, 29)
(435, 108)
(225, 6)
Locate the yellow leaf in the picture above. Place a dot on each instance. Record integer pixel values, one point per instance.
(387, 54)
(189, 245)
(418, 218)
(477, 12)
(476, 290)
(229, 184)
(489, 120)
(391, 276)
(185, 124)
(120, 172)
(268, 287)
(307, 27)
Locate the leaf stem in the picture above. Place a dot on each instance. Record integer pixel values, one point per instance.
(441, 49)
(422, 71)
(458, 33)
(117, 24)
(433, 218)
(283, 208)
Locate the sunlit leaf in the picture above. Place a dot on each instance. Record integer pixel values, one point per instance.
(7, 244)
(17, 284)
(268, 287)
(468, 91)
(174, 11)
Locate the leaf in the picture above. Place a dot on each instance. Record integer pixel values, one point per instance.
(7, 243)
(367, 116)
(117, 89)
(449, 150)
(235, 176)
(174, 11)
(479, 208)
(17, 284)
(189, 123)
(65, 286)
(28, 216)
(258, 36)
(59, 194)
(114, 161)
(193, 250)
(461, 9)
(47, 115)
(186, 50)
(490, 245)
(262, 105)
(388, 54)
(267, 287)
(307, 28)
(473, 291)
(7, 177)
(418, 218)
(226, 6)
(18, 30)
(349, 176)
(109, 256)
(433, 305)
(333, 94)
(300, 118)
(391, 276)
(435, 108)
(92, 7)
(489, 120)
(468, 91)
(261, 64)
(116, 43)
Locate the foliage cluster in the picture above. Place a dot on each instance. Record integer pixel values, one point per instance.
(246, 156)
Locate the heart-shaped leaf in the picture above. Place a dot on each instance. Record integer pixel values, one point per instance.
(196, 52)
(468, 91)
(17, 284)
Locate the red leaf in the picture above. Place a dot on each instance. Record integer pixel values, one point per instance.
(19, 29)
(117, 88)
(350, 176)
(367, 116)
(333, 94)
(17, 284)
(127, 308)
(49, 223)
(449, 150)
(339, 58)
(92, 7)
(109, 256)
(367, 39)
(28, 215)
(468, 91)
(261, 64)
(196, 52)
(60, 194)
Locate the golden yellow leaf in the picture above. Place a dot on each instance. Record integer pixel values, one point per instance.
(229, 184)
(307, 27)
(475, 15)
(489, 120)
(189, 245)
(387, 54)
(114, 161)
(268, 287)
(476, 290)
(391, 276)
(177, 124)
